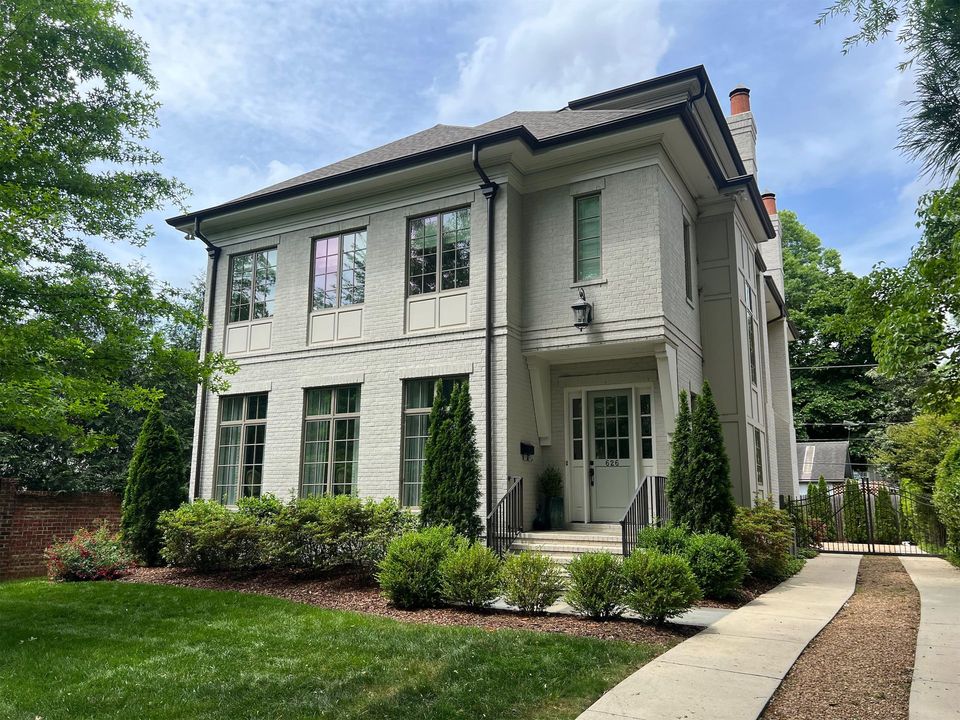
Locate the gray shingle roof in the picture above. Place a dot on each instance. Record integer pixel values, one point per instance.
(542, 125)
(830, 458)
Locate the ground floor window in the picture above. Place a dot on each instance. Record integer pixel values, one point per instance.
(331, 434)
(241, 436)
(417, 402)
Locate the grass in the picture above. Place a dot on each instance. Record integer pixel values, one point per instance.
(118, 650)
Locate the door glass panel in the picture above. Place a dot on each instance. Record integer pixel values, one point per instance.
(577, 421)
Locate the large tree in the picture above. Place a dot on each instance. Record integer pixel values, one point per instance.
(76, 108)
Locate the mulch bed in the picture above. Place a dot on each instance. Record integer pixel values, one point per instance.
(861, 664)
(357, 594)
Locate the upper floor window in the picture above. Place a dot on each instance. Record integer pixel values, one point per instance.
(687, 260)
(253, 285)
(587, 212)
(417, 404)
(758, 456)
(445, 234)
(339, 269)
(242, 433)
(331, 439)
(751, 297)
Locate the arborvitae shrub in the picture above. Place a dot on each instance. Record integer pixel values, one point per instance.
(681, 487)
(156, 481)
(886, 527)
(659, 586)
(597, 585)
(409, 574)
(470, 575)
(712, 505)
(531, 581)
(854, 513)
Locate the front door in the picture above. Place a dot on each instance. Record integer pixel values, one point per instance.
(610, 454)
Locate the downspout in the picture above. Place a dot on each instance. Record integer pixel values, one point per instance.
(489, 189)
(213, 253)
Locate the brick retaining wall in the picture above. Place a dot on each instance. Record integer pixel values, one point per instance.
(29, 522)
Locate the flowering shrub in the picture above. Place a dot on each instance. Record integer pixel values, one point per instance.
(97, 555)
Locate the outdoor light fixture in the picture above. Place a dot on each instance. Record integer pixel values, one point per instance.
(582, 312)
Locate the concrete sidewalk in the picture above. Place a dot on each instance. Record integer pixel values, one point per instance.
(731, 669)
(935, 692)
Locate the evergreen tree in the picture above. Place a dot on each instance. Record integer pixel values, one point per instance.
(680, 486)
(886, 526)
(854, 513)
(450, 490)
(713, 507)
(821, 507)
(156, 481)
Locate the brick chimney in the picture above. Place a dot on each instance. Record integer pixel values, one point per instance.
(743, 127)
(770, 202)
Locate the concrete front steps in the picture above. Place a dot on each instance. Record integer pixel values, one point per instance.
(564, 545)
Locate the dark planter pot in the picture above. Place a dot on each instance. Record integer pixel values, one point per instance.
(556, 513)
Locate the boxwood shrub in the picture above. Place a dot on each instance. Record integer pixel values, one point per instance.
(206, 536)
(659, 585)
(531, 581)
(409, 573)
(470, 575)
(669, 539)
(718, 562)
(597, 585)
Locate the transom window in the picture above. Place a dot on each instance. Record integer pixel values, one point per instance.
(587, 221)
(331, 435)
(339, 269)
(243, 427)
(446, 234)
(253, 285)
(417, 403)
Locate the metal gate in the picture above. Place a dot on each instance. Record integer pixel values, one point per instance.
(866, 516)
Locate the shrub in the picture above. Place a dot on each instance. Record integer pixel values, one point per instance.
(263, 508)
(550, 482)
(326, 532)
(854, 513)
(817, 532)
(597, 585)
(206, 536)
(718, 563)
(712, 507)
(409, 573)
(886, 525)
(765, 534)
(820, 507)
(97, 555)
(470, 575)
(531, 581)
(670, 539)
(680, 486)
(156, 481)
(659, 586)
(946, 498)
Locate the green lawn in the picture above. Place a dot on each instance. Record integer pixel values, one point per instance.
(86, 650)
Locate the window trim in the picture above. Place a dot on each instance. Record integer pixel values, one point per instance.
(313, 269)
(333, 416)
(230, 270)
(439, 270)
(406, 412)
(576, 237)
(243, 423)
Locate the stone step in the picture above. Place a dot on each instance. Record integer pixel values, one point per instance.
(566, 537)
(564, 548)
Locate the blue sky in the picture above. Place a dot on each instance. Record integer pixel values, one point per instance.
(255, 92)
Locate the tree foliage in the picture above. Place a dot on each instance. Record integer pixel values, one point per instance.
(886, 525)
(911, 452)
(821, 507)
(929, 32)
(679, 486)
(157, 481)
(76, 111)
(854, 513)
(712, 506)
(450, 490)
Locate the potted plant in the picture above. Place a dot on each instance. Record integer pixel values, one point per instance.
(551, 487)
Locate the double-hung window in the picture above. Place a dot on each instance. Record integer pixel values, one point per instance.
(417, 403)
(587, 222)
(253, 285)
(242, 433)
(339, 269)
(331, 436)
(438, 252)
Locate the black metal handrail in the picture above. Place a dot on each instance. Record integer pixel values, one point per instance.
(505, 523)
(647, 507)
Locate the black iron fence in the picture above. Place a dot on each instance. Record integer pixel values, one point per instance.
(648, 507)
(505, 523)
(866, 516)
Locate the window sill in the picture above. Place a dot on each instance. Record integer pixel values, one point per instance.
(589, 283)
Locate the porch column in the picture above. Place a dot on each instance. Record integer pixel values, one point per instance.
(669, 384)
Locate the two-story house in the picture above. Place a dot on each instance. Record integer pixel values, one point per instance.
(459, 252)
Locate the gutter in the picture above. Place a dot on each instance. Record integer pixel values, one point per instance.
(213, 253)
(489, 189)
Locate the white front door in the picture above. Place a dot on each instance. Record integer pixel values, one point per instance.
(610, 453)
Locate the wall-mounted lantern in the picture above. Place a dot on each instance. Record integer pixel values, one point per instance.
(582, 312)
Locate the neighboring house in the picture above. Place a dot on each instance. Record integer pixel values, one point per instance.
(827, 458)
(457, 253)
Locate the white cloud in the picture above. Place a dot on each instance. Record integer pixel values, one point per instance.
(542, 54)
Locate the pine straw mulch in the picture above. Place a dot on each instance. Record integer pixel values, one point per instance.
(860, 666)
(357, 594)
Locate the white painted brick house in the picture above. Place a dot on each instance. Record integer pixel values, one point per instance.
(345, 292)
